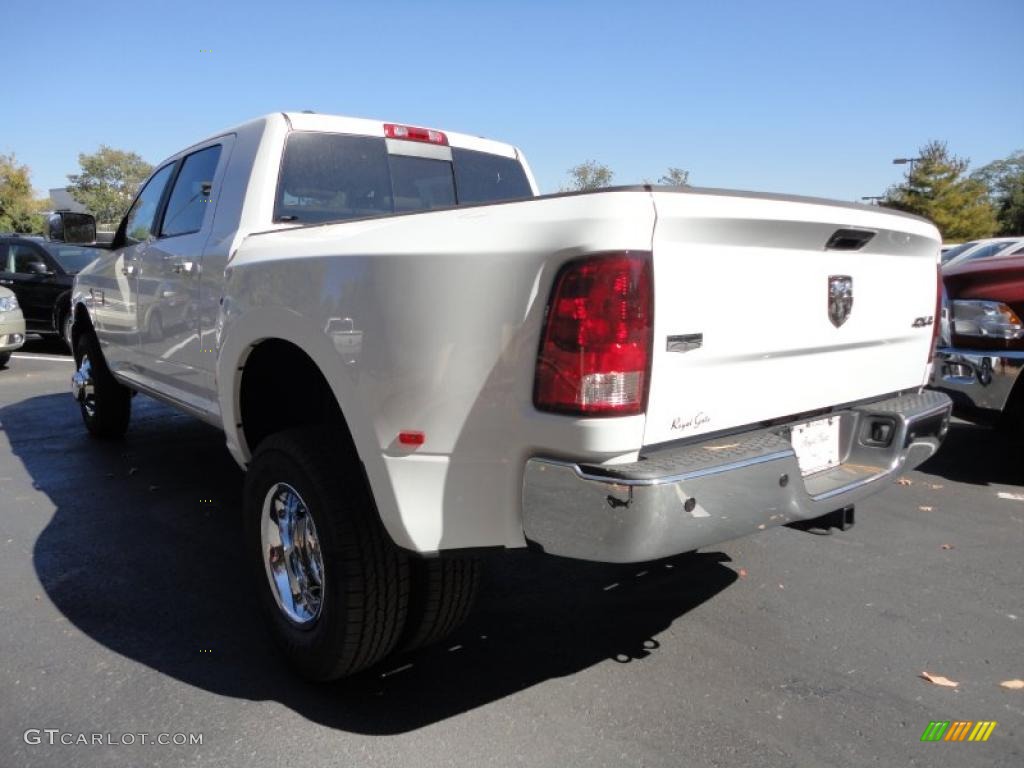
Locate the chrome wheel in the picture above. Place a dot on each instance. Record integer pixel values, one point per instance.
(291, 554)
(84, 388)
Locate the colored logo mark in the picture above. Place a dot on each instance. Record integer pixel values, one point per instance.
(959, 730)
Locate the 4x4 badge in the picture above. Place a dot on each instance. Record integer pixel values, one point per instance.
(840, 298)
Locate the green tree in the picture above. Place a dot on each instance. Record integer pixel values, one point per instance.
(1005, 181)
(935, 187)
(589, 175)
(19, 212)
(108, 182)
(675, 177)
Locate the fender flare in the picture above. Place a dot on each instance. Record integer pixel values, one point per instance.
(77, 305)
(266, 323)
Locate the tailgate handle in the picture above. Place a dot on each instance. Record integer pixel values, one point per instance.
(684, 343)
(849, 239)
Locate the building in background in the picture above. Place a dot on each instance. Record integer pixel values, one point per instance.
(61, 200)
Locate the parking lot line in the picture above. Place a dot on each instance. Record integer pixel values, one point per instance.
(17, 356)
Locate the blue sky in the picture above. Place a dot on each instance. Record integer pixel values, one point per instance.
(801, 97)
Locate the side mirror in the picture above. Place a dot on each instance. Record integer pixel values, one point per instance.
(71, 227)
(37, 268)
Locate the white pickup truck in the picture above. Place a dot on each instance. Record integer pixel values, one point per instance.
(414, 356)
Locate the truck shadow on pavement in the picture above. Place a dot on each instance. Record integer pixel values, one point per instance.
(143, 555)
(978, 455)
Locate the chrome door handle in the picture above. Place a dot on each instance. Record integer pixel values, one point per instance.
(6, 282)
(183, 267)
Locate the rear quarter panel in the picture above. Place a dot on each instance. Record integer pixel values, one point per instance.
(431, 322)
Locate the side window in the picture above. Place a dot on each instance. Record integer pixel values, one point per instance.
(143, 212)
(27, 260)
(191, 193)
(981, 253)
(989, 250)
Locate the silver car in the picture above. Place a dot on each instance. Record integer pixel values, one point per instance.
(981, 249)
(12, 326)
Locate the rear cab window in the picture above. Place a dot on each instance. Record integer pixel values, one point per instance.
(485, 178)
(421, 183)
(334, 177)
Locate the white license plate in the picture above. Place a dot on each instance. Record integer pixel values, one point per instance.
(816, 444)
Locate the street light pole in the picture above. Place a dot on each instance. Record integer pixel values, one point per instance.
(905, 160)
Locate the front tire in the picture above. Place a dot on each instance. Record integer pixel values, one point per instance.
(106, 405)
(4, 358)
(333, 586)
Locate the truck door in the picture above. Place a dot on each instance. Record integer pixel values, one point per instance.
(168, 316)
(117, 327)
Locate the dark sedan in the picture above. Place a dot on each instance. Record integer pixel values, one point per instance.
(40, 273)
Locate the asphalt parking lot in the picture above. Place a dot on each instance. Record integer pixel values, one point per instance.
(124, 610)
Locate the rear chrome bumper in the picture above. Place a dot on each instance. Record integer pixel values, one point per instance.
(978, 380)
(676, 500)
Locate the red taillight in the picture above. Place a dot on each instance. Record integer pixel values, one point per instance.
(595, 353)
(938, 313)
(409, 133)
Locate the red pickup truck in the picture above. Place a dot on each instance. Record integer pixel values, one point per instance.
(981, 352)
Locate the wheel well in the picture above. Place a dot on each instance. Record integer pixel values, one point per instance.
(283, 388)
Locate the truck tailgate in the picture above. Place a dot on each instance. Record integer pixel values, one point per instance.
(745, 328)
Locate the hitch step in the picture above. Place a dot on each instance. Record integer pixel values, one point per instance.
(842, 519)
